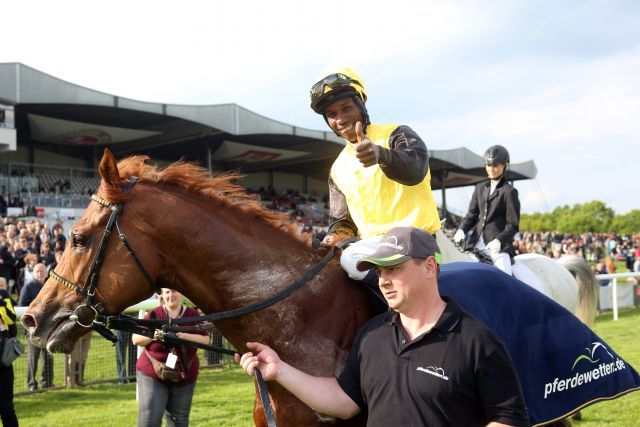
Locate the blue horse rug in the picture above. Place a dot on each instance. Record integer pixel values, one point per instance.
(562, 364)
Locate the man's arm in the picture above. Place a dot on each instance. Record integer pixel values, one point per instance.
(499, 389)
(322, 394)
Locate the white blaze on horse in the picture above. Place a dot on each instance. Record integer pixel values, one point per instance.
(569, 281)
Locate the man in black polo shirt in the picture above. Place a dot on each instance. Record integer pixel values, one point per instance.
(426, 362)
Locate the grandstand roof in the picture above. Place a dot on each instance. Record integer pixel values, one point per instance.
(62, 117)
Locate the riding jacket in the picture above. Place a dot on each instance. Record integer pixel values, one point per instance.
(367, 201)
(495, 216)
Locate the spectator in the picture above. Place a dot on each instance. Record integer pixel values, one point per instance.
(8, 329)
(610, 264)
(78, 360)
(6, 262)
(47, 256)
(26, 273)
(158, 397)
(601, 268)
(28, 294)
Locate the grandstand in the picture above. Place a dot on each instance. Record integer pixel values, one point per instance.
(52, 134)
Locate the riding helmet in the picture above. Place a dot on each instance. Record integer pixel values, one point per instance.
(495, 155)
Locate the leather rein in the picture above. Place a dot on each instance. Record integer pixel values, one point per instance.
(93, 313)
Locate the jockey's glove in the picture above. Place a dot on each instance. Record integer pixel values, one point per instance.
(494, 246)
(459, 236)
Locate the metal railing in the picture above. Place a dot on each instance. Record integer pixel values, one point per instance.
(614, 287)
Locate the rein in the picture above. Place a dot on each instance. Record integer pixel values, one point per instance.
(93, 314)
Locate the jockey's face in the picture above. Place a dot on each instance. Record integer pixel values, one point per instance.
(342, 117)
(495, 171)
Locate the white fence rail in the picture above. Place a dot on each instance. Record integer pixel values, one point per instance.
(614, 287)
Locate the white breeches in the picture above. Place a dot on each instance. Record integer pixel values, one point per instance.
(502, 260)
(355, 252)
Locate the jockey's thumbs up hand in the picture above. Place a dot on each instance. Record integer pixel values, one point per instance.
(367, 152)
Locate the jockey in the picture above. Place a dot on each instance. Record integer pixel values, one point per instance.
(494, 212)
(380, 180)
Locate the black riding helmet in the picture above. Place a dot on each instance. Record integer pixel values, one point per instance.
(495, 155)
(341, 84)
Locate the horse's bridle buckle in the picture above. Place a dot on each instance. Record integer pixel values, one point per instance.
(84, 315)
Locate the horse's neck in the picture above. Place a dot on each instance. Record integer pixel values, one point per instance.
(222, 258)
(449, 251)
(245, 260)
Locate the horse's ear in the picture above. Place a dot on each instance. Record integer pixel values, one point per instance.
(109, 169)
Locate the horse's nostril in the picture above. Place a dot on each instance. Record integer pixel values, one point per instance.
(28, 321)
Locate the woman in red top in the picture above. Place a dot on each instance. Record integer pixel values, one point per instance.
(158, 397)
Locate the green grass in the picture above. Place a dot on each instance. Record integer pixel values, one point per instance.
(224, 397)
(624, 337)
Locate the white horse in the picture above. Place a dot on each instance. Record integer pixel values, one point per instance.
(568, 281)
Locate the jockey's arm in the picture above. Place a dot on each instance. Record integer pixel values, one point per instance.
(407, 159)
(322, 394)
(342, 225)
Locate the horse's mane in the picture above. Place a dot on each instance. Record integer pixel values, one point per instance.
(221, 188)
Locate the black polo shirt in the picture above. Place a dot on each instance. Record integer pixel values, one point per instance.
(457, 374)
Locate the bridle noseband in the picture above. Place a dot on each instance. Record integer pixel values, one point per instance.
(85, 315)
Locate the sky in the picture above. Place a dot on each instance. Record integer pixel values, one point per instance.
(556, 82)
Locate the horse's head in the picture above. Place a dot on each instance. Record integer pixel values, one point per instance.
(94, 260)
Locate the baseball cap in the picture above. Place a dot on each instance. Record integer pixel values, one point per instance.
(400, 244)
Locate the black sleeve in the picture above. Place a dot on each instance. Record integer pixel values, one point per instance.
(512, 225)
(499, 388)
(471, 218)
(341, 221)
(349, 378)
(407, 159)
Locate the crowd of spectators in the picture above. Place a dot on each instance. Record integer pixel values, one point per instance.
(594, 247)
(310, 211)
(25, 243)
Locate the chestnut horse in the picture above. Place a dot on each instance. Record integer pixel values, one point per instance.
(208, 239)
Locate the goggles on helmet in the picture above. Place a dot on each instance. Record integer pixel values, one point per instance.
(334, 81)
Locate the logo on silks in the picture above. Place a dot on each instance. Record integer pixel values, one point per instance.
(593, 364)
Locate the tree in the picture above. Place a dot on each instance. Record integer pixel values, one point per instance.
(627, 224)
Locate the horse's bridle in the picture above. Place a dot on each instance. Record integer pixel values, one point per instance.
(84, 315)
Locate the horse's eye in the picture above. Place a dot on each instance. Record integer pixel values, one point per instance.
(79, 240)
